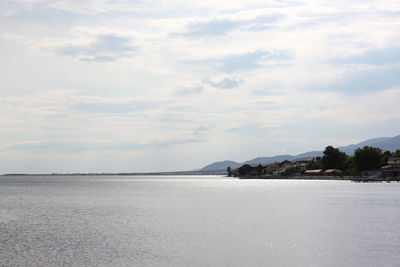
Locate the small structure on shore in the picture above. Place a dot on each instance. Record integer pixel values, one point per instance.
(302, 163)
(313, 172)
(391, 170)
(313, 168)
(394, 162)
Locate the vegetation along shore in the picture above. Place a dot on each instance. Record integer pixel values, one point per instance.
(367, 164)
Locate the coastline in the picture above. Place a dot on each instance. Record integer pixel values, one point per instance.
(323, 178)
(296, 177)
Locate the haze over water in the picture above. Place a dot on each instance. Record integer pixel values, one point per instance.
(196, 221)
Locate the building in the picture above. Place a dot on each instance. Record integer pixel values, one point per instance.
(394, 162)
(302, 163)
(392, 169)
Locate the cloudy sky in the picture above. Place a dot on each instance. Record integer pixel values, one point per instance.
(174, 85)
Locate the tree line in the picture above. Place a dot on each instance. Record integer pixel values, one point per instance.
(363, 159)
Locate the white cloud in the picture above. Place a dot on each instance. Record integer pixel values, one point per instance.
(96, 6)
(96, 45)
(368, 109)
(291, 68)
(223, 83)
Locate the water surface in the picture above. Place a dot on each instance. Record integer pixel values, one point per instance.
(196, 221)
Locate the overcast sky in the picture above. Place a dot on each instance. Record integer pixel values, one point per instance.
(92, 86)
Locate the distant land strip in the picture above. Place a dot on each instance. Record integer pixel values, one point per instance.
(211, 172)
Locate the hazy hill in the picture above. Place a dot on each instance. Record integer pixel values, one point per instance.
(384, 143)
(221, 165)
(267, 160)
(310, 154)
(370, 142)
(391, 144)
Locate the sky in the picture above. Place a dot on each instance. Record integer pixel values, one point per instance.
(133, 86)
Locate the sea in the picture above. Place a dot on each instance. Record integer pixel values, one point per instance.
(196, 221)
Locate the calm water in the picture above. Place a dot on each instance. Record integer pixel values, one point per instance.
(197, 221)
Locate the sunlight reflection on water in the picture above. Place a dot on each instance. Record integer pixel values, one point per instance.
(192, 221)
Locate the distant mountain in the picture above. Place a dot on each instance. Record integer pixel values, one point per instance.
(221, 165)
(391, 144)
(384, 143)
(311, 154)
(370, 142)
(268, 160)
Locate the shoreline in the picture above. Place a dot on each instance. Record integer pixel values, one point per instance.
(324, 178)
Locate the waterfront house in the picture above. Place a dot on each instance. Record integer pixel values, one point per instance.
(392, 169)
(302, 163)
(388, 171)
(394, 162)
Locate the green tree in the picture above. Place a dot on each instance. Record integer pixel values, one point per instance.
(367, 158)
(385, 156)
(259, 168)
(396, 154)
(333, 158)
(349, 167)
(290, 171)
(245, 169)
(271, 168)
(314, 164)
(229, 170)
